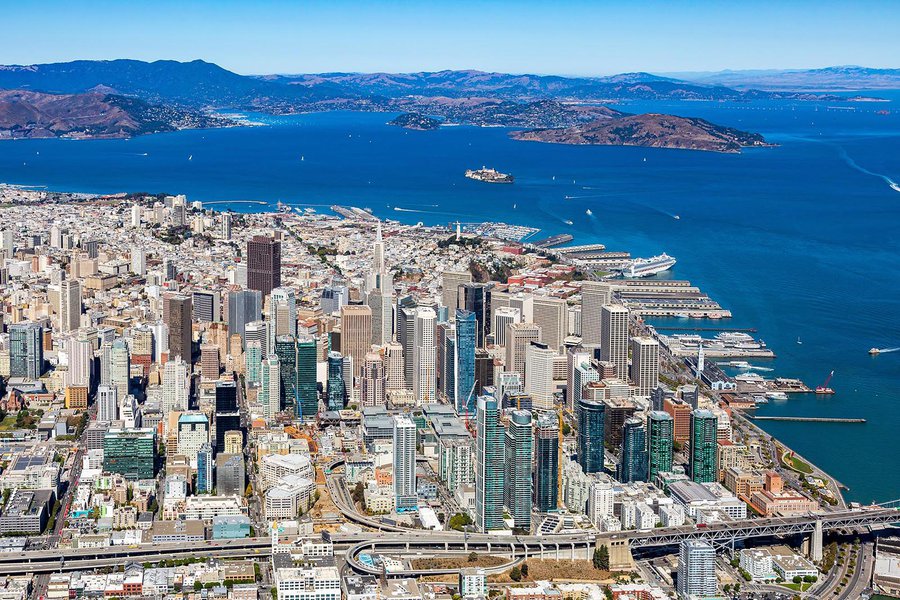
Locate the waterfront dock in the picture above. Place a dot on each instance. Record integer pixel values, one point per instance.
(809, 419)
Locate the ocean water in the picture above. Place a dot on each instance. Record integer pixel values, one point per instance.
(800, 240)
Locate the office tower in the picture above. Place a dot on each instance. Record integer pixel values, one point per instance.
(269, 396)
(614, 337)
(204, 469)
(206, 306)
(690, 394)
(590, 435)
(445, 359)
(660, 442)
(644, 365)
(81, 362)
(539, 375)
(333, 298)
(337, 395)
(244, 306)
(503, 317)
(169, 269)
(659, 395)
(696, 569)
(406, 337)
(518, 338)
(69, 305)
(131, 453)
(550, 316)
(703, 446)
(405, 498)
(105, 348)
(594, 295)
(258, 331)
(450, 282)
(307, 390)
(350, 380)
(681, 415)
(517, 475)
(356, 333)
(582, 374)
(227, 417)
(286, 351)
(26, 350)
(209, 361)
(226, 226)
(393, 367)
(464, 373)
(253, 357)
(476, 298)
(107, 404)
(424, 384)
(373, 380)
(489, 456)
(193, 432)
(119, 367)
(380, 303)
(282, 314)
(234, 442)
(378, 278)
(230, 475)
(263, 264)
(175, 386)
(484, 369)
(633, 460)
(177, 312)
(546, 462)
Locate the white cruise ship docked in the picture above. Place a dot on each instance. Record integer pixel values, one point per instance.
(644, 267)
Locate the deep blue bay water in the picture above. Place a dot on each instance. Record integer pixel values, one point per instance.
(798, 241)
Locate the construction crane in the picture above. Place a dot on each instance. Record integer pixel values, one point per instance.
(824, 389)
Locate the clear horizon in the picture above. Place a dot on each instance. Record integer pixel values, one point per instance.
(575, 38)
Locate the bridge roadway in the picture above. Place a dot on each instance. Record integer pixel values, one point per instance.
(418, 542)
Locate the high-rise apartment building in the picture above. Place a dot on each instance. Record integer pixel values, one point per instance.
(405, 498)
(424, 359)
(546, 462)
(633, 460)
(518, 472)
(660, 443)
(703, 446)
(464, 362)
(489, 455)
(590, 435)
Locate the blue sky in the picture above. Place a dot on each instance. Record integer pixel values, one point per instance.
(573, 38)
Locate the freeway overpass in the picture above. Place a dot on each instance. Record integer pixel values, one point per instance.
(412, 542)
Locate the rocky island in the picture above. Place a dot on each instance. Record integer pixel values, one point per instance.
(649, 130)
(416, 121)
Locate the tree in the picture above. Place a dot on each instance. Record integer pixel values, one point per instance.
(197, 585)
(601, 558)
(459, 521)
(516, 574)
(726, 588)
(524, 570)
(797, 579)
(473, 556)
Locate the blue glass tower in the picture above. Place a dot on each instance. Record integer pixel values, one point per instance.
(466, 326)
(590, 435)
(633, 461)
(337, 395)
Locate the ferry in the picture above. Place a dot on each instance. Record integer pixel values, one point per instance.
(644, 267)
(776, 395)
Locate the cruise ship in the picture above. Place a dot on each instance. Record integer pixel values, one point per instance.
(644, 267)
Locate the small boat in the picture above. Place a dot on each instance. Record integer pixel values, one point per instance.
(588, 212)
(191, 157)
(799, 341)
(874, 351)
(302, 158)
(677, 217)
(568, 222)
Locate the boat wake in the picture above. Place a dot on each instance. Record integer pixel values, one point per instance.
(853, 164)
(886, 350)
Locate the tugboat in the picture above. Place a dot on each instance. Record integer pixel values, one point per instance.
(489, 175)
(824, 389)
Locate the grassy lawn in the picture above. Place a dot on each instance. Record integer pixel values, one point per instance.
(792, 462)
(797, 587)
(8, 424)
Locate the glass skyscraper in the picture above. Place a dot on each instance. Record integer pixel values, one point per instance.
(465, 361)
(704, 446)
(633, 461)
(489, 451)
(307, 390)
(286, 351)
(660, 436)
(337, 394)
(590, 435)
(517, 474)
(546, 453)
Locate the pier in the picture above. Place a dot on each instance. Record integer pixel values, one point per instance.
(809, 419)
(750, 330)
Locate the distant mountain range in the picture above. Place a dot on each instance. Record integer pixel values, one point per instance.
(129, 97)
(830, 79)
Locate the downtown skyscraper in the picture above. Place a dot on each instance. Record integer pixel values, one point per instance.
(263, 264)
(464, 372)
(489, 455)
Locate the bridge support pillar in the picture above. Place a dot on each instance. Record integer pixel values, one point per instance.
(557, 550)
(489, 547)
(573, 551)
(815, 543)
(620, 558)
